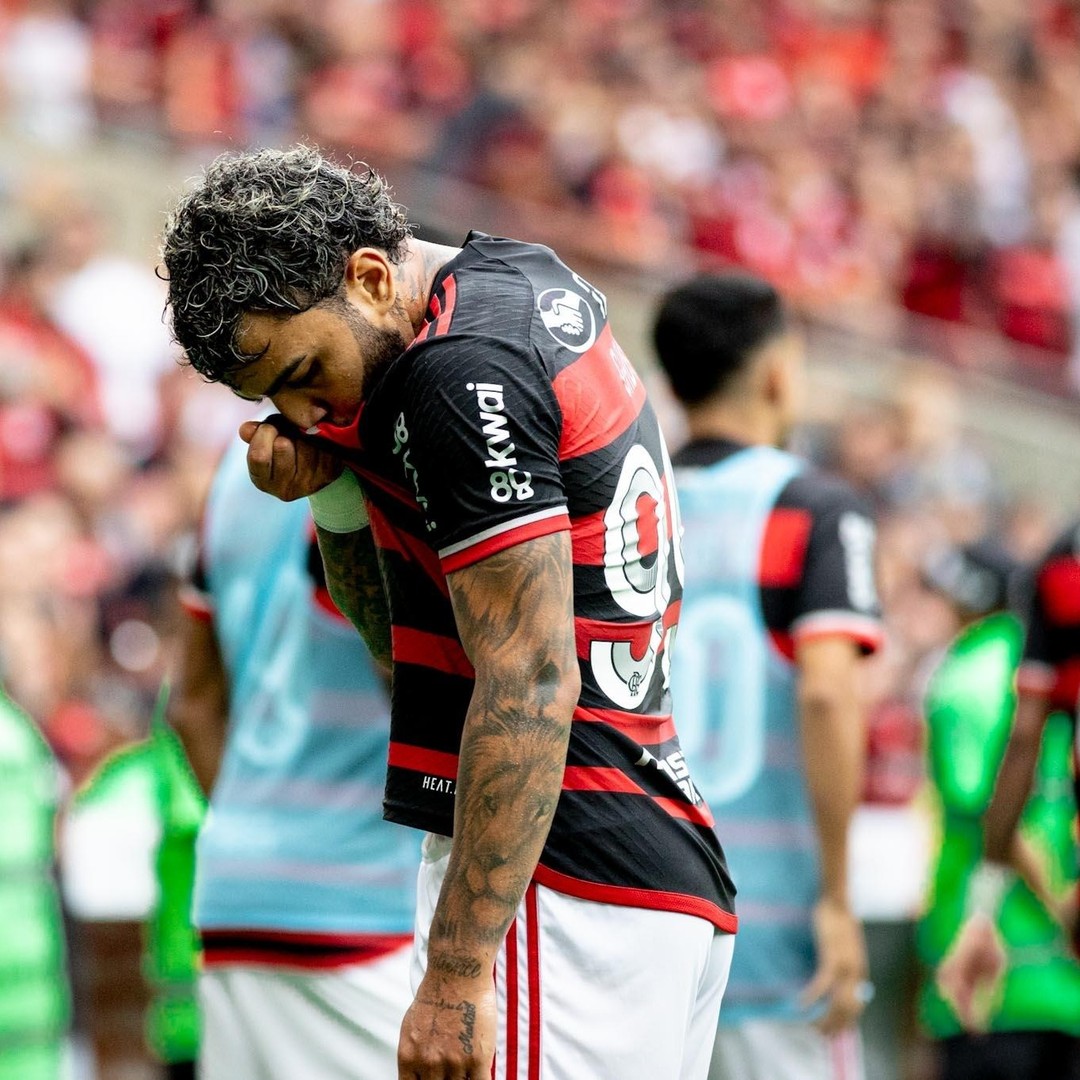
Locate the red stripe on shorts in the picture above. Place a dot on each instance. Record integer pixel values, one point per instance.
(511, 1002)
(837, 1055)
(847, 1064)
(532, 934)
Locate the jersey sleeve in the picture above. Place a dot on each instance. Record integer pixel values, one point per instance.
(1051, 660)
(836, 594)
(482, 426)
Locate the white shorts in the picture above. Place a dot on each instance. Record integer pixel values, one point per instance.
(785, 1050)
(596, 991)
(268, 1023)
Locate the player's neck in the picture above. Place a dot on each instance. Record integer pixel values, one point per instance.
(416, 276)
(748, 423)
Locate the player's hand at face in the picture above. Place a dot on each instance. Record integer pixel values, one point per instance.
(970, 977)
(449, 1031)
(840, 978)
(284, 462)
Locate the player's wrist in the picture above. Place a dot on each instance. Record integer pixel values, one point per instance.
(834, 895)
(450, 966)
(989, 883)
(836, 899)
(339, 507)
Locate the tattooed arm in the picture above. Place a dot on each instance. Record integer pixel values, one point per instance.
(355, 583)
(514, 613)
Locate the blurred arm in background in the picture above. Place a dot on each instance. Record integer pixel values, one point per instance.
(199, 702)
(834, 748)
(1015, 777)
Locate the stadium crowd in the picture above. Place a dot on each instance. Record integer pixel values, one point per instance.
(105, 450)
(863, 155)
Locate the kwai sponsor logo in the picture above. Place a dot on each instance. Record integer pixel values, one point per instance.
(507, 481)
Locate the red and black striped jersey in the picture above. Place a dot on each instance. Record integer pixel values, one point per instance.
(515, 414)
(1050, 666)
(1051, 661)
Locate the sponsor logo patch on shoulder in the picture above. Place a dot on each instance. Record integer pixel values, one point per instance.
(568, 317)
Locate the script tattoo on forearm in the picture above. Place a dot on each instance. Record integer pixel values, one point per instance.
(355, 583)
(459, 967)
(515, 616)
(468, 1026)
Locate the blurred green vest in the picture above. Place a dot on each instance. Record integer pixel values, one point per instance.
(969, 710)
(153, 777)
(34, 998)
(172, 942)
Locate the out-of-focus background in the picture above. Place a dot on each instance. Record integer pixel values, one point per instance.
(907, 171)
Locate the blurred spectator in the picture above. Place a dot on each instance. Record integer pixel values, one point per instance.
(1030, 287)
(45, 62)
(937, 468)
(1068, 247)
(128, 40)
(47, 620)
(48, 386)
(112, 306)
(867, 448)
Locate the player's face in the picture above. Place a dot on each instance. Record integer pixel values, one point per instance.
(314, 366)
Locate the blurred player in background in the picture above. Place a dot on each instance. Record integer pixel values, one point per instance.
(35, 1001)
(780, 606)
(519, 497)
(1031, 1032)
(304, 896)
(1048, 679)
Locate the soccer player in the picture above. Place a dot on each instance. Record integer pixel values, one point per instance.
(779, 607)
(1048, 679)
(969, 708)
(526, 592)
(304, 896)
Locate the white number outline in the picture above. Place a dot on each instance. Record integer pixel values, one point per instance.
(725, 739)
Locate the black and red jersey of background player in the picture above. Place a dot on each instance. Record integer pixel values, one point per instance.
(809, 585)
(515, 414)
(1051, 661)
(1050, 666)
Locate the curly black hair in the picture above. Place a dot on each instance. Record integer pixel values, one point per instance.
(267, 231)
